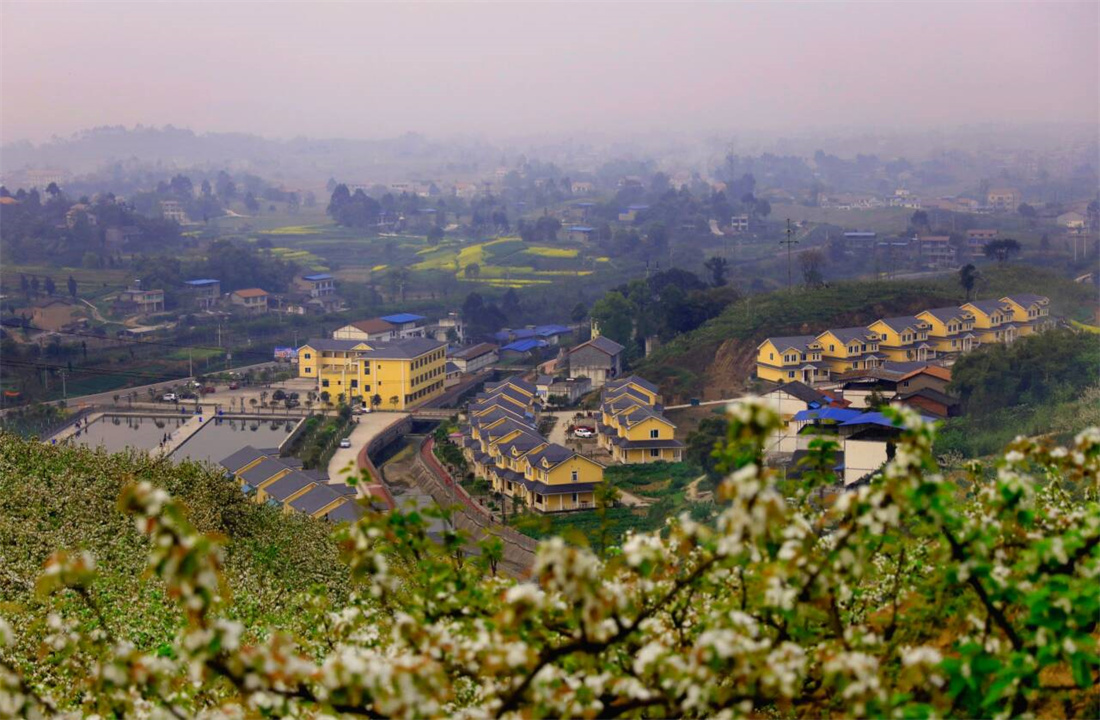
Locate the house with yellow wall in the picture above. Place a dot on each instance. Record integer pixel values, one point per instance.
(903, 338)
(400, 373)
(992, 321)
(504, 447)
(631, 426)
(635, 386)
(910, 338)
(644, 436)
(850, 348)
(950, 329)
(279, 482)
(783, 359)
(1030, 312)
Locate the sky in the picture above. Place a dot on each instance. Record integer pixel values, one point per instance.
(360, 70)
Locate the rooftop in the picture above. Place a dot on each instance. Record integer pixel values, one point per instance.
(373, 325)
(317, 277)
(250, 292)
(402, 318)
(601, 343)
(404, 349)
(201, 282)
(475, 351)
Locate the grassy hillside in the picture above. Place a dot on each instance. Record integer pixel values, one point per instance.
(65, 498)
(717, 358)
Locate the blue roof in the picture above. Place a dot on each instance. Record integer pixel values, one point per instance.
(877, 418)
(202, 282)
(427, 210)
(836, 414)
(402, 318)
(585, 204)
(524, 345)
(638, 207)
(581, 228)
(318, 276)
(546, 330)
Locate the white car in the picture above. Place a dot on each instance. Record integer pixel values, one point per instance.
(345, 443)
(170, 397)
(582, 432)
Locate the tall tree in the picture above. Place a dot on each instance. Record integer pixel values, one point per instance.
(968, 278)
(49, 285)
(72, 287)
(1001, 250)
(718, 267)
(614, 315)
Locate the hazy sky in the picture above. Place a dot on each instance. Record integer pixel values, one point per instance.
(373, 70)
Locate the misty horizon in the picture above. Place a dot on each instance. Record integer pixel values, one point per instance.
(494, 73)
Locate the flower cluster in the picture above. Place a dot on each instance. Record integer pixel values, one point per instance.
(913, 595)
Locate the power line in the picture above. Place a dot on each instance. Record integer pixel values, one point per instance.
(788, 242)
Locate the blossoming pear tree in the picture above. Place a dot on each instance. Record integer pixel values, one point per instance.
(914, 595)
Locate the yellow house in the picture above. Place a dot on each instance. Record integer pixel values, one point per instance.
(903, 338)
(398, 373)
(643, 435)
(635, 386)
(1030, 312)
(556, 479)
(992, 321)
(320, 500)
(783, 359)
(950, 329)
(850, 348)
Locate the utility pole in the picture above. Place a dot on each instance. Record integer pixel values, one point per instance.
(190, 366)
(788, 242)
(64, 389)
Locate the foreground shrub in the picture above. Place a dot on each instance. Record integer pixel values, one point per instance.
(913, 596)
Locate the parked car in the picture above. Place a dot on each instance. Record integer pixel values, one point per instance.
(187, 395)
(583, 432)
(170, 397)
(345, 443)
(234, 385)
(209, 389)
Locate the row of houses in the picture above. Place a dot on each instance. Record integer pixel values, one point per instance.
(281, 482)
(632, 426)
(503, 446)
(938, 332)
(400, 326)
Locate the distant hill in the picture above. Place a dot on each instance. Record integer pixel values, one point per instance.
(298, 159)
(717, 359)
(65, 498)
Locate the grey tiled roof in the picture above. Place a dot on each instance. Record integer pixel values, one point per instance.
(239, 459)
(404, 349)
(263, 471)
(317, 498)
(601, 343)
(286, 486)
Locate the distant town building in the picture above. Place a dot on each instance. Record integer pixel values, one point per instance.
(317, 285)
(372, 329)
(472, 359)
(253, 300)
(77, 211)
(143, 302)
(204, 292)
(1005, 199)
(581, 233)
(172, 210)
(739, 223)
(600, 360)
(407, 325)
(977, 238)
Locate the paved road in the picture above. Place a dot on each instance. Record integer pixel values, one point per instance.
(107, 398)
(370, 424)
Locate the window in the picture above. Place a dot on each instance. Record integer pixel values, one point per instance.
(654, 452)
(324, 383)
(309, 371)
(574, 498)
(654, 434)
(790, 374)
(307, 356)
(355, 383)
(576, 476)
